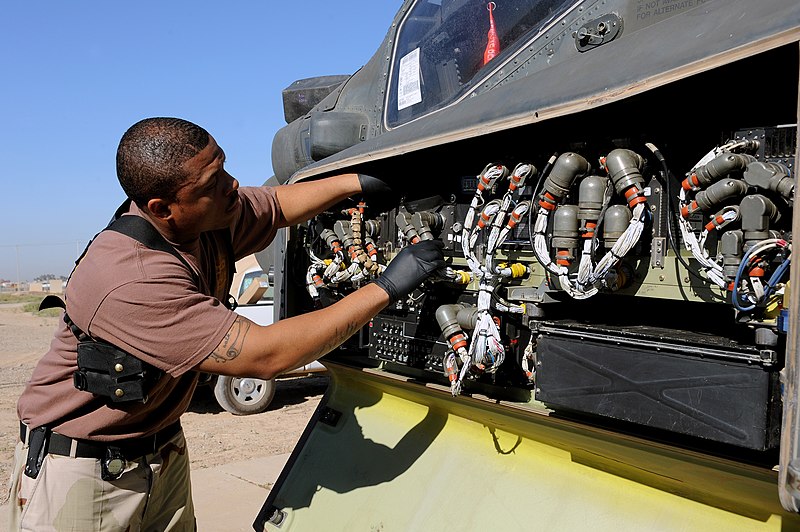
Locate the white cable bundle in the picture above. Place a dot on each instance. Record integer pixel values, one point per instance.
(623, 245)
(540, 244)
(347, 273)
(334, 266)
(712, 269)
(585, 264)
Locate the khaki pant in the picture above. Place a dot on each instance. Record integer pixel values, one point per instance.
(152, 494)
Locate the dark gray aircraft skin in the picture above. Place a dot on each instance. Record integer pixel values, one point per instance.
(546, 76)
(441, 98)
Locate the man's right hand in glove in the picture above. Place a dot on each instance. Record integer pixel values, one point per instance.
(270, 350)
(410, 267)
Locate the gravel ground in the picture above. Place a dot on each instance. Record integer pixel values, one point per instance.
(215, 436)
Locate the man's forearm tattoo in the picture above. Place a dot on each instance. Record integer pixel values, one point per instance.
(231, 345)
(339, 337)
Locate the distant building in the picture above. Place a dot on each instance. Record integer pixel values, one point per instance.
(11, 286)
(49, 286)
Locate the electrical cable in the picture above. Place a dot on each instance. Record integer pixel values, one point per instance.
(667, 184)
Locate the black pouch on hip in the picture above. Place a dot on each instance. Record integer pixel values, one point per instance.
(110, 372)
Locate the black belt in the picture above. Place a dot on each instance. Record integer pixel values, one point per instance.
(131, 448)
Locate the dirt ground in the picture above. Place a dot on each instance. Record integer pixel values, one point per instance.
(215, 436)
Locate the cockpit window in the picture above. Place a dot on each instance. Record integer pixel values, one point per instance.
(444, 47)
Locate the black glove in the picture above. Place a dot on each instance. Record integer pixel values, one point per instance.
(410, 267)
(377, 194)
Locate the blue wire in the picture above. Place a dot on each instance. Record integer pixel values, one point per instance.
(777, 276)
(735, 293)
(773, 281)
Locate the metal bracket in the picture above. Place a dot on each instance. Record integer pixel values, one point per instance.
(329, 416)
(657, 252)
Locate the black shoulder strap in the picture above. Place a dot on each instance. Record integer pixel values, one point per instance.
(143, 231)
(135, 227)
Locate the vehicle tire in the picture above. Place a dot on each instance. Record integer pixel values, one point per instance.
(244, 395)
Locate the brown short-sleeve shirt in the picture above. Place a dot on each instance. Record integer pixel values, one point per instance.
(147, 303)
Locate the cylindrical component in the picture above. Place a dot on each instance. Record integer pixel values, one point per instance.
(716, 169)
(615, 222)
(720, 192)
(515, 270)
(591, 194)
(567, 168)
(425, 223)
(730, 247)
(757, 213)
(344, 232)
(447, 318)
(770, 176)
(468, 317)
(625, 169)
(331, 239)
(566, 233)
(372, 227)
(404, 224)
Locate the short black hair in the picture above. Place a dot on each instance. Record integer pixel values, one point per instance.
(151, 154)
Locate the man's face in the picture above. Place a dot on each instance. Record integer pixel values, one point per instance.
(208, 200)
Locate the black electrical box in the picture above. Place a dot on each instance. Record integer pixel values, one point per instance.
(719, 392)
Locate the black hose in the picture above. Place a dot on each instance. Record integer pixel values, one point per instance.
(545, 171)
(666, 182)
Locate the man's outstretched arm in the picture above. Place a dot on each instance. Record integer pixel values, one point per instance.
(250, 350)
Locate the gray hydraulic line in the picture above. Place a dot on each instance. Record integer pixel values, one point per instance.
(770, 176)
(404, 224)
(757, 213)
(335, 245)
(716, 169)
(625, 170)
(731, 249)
(591, 200)
(425, 222)
(344, 232)
(567, 168)
(454, 318)
(715, 195)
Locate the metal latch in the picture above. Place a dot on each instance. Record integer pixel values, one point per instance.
(598, 32)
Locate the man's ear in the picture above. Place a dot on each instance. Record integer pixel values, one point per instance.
(159, 208)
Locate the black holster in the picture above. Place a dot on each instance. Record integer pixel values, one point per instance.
(38, 439)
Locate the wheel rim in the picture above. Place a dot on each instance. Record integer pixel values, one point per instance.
(247, 390)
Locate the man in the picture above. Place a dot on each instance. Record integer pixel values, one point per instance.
(97, 461)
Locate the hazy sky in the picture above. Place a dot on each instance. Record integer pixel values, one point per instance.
(76, 74)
